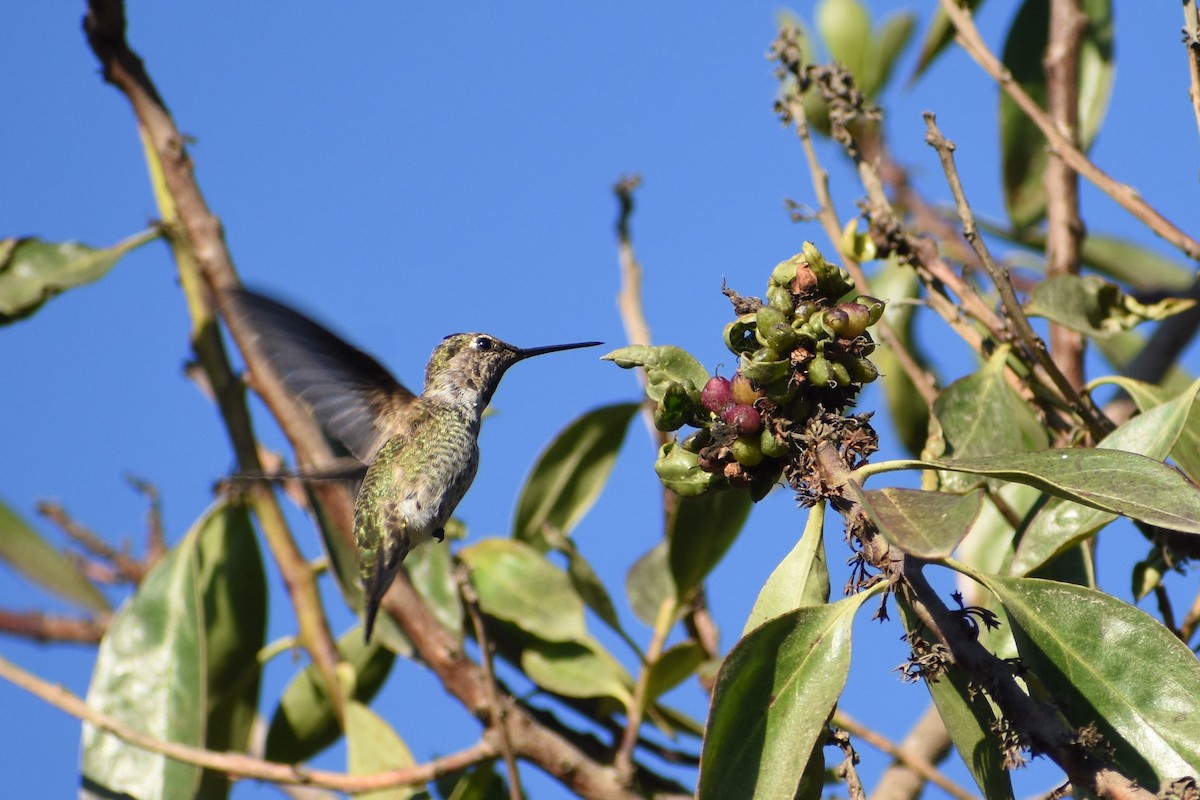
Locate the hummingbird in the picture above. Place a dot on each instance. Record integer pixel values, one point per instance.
(421, 452)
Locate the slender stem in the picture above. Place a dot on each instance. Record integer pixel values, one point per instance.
(1191, 620)
(241, 766)
(663, 623)
(1191, 40)
(50, 628)
(916, 763)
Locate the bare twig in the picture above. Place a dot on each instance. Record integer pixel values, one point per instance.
(49, 628)
(1191, 41)
(846, 770)
(1065, 231)
(905, 755)
(128, 569)
(156, 540)
(237, 765)
(629, 739)
(495, 709)
(1126, 196)
(1191, 621)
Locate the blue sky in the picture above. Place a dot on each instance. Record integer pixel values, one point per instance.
(404, 172)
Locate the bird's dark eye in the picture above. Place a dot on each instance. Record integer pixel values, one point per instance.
(483, 343)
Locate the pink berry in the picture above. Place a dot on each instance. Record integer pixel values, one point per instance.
(716, 394)
(744, 420)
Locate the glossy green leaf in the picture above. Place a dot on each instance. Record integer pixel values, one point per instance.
(149, 674)
(1186, 452)
(648, 583)
(1111, 480)
(1024, 151)
(570, 474)
(938, 37)
(701, 531)
(1094, 307)
(928, 525)
(577, 669)
(772, 699)
(845, 27)
(970, 720)
(517, 584)
(1061, 523)
(1108, 663)
(33, 271)
(981, 415)
(371, 747)
(664, 365)
(800, 580)
(234, 591)
(22, 548)
(674, 666)
(304, 722)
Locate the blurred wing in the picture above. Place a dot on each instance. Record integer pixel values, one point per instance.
(351, 394)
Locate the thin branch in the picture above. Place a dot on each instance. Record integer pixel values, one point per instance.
(238, 765)
(1191, 41)
(42, 627)
(846, 770)
(1032, 344)
(1065, 232)
(128, 569)
(1126, 196)
(156, 540)
(904, 755)
(629, 739)
(495, 709)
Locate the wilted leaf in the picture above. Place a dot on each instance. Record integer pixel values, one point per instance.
(772, 699)
(664, 365)
(149, 674)
(571, 472)
(28, 553)
(928, 525)
(1108, 663)
(1061, 523)
(517, 584)
(801, 579)
(1024, 150)
(33, 271)
(702, 529)
(304, 723)
(1095, 307)
(372, 746)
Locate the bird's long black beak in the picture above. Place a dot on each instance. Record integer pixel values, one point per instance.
(530, 352)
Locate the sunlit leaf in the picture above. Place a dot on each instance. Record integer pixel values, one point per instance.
(939, 36)
(431, 571)
(1186, 452)
(845, 27)
(1061, 523)
(894, 36)
(1024, 151)
(772, 699)
(907, 409)
(23, 548)
(1112, 480)
(1108, 663)
(571, 472)
(1094, 307)
(928, 525)
(577, 669)
(149, 674)
(648, 583)
(304, 722)
(675, 665)
(33, 271)
(800, 580)
(679, 471)
(517, 584)
(701, 531)
(664, 365)
(372, 746)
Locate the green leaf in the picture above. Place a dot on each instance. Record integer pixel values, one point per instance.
(1108, 663)
(664, 365)
(27, 552)
(940, 34)
(970, 720)
(1062, 524)
(700, 532)
(907, 409)
(679, 471)
(1094, 307)
(577, 669)
(801, 579)
(431, 571)
(588, 584)
(479, 783)
(571, 472)
(149, 674)
(33, 271)
(981, 415)
(1111, 480)
(845, 27)
(674, 666)
(1124, 349)
(894, 36)
(372, 746)
(772, 699)
(234, 588)
(1024, 150)
(517, 584)
(1186, 452)
(304, 722)
(928, 525)
(648, 584)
